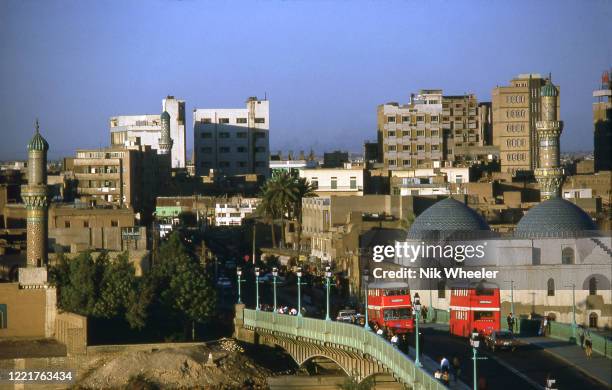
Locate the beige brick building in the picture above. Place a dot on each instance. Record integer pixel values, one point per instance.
(516, 109)
(431, 131)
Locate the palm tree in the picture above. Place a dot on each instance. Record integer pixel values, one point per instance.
(267, 210)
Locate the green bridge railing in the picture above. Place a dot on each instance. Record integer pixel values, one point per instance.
(348, 336)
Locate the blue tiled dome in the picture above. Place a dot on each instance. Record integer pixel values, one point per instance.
(38, 142)
(447, 217)
(554, 217)
(549, 90)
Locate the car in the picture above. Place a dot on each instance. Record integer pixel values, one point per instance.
(501, 339)
(346, 316)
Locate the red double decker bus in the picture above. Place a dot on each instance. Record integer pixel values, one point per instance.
(474, 305)
(390, 305)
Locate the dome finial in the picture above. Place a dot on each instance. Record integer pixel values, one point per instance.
(37, 126)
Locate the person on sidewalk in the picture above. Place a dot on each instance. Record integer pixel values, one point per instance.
(510, 321)
(456, 368)
(588, 346)
(444, 364)
(394, 340)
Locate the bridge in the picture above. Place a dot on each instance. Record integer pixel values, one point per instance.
(359, 352)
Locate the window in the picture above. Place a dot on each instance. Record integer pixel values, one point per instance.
(390, 119)
(434, 133)
(66, 224)
(403, 313)
(261, 164)
(434, 118)
(206, 135)
(241, 134)
(315, 182)
(483, 315)
(441, 289)
(420, 133)
(206, 149)
(406, 148)
(405, 119)
(391, 133)
(242, 164)
(224, 134)
(420, 118)
(3, 316)
(334, 183)
(592, 320)
(260, 134)
(241, 120)
(224, 149)
(593, 286)
(223, 120)
(406, 163)
(353, 183)
(550, 286)
(224, 164)
(420, 147)
(260, 149)
(391, 148)
(114, 223)
(392, 162)
(241, 149)
(406, 133)
(567, 256)
(260, 120)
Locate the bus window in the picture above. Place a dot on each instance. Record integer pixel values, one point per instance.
(397, 314)
(484, 291)
(483, 315)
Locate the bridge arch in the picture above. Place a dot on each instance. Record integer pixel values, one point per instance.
(340, 365)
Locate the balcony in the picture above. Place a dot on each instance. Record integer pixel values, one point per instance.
(98, 191)
(98, 176)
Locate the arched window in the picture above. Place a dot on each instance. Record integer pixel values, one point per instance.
(551, 287)
(567, 256)
(441, 289)
(593, 286)
(593, 320)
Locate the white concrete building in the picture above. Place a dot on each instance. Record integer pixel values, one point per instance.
(127, 129)
(233, 141)
(232, 214)
(428, 181)
(336, 181)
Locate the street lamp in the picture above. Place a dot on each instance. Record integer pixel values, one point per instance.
(238, 275)
(475, 342)
(511, 302)
(274, 276)
(417, 311)
(574, 325)
(299, 286)
(328, 275)
(257, 289)
(366, 273)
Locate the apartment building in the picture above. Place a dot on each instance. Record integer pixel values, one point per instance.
(233, 214)
(233, 141)
(433, 130)
(146, 130)
(427, 182)
(119, 176)
(348, 180)
(516, 109)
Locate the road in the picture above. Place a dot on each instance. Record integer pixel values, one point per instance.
(504, 369)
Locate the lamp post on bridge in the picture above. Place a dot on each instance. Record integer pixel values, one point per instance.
(417, 311)
(328, 275)
(574, 325)
(366, 273)
(257, 289)
(475, 343)
(512, 313)
(274, 277)
(299, 286)
(239, 280)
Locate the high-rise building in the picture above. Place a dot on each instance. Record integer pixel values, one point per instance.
(36, 200)
(602, 118)
(431, 131)
(516, 109)
(549, 173)
(233, 141)
(146, 130)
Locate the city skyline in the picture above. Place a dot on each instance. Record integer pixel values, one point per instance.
(67, 64)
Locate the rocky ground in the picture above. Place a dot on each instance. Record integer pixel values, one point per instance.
(231, 367)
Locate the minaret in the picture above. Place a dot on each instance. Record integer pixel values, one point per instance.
(549, 173)
(35, 198)
(165, 142)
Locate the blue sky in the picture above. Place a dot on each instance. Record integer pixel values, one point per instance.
(325, 65)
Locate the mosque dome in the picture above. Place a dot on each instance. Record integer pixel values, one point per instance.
(555, 217)
(549, 90)
(38, 142)
(446, 218)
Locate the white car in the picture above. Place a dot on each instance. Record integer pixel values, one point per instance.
(346, 315)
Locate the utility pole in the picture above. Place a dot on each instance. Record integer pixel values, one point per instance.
(511, 302)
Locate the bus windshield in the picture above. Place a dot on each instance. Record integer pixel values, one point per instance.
(395, 292)
(403, 313)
